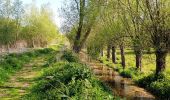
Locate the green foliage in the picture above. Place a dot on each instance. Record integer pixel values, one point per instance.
(8, 30)
(157, 85)
(40, 28)
(10, 18)
(13, 62)
(45, 51)
(105, 61)
(10, 64)
(70, 56)
(93, 50)
(70, 81)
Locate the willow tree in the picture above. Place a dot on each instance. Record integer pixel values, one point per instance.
(114, 29)
(159, 28)
(80, 16)
(134, 20)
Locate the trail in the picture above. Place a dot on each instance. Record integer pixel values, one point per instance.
(123, 87)
(20, 83)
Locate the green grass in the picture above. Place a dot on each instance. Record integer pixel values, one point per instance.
(11, 63)
(145, 78)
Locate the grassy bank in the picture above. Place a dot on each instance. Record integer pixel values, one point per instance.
(145, 78)
(66, 79)
(11, 63)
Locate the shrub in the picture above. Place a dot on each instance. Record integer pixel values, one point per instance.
(126, 73)
(3, 75)
(157, 85)
(44, 51)
(161, 88)
(69, 56)
(13, 62)
(30, 54)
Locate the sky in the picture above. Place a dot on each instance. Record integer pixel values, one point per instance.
(55, 5)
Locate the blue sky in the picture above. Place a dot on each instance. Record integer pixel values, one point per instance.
(55, 5)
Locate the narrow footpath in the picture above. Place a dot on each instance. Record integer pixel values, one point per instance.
(123, 87)
(20, 83)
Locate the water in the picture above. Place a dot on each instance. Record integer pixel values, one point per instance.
(123, 87)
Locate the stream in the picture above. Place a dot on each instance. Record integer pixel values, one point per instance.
(122, 87)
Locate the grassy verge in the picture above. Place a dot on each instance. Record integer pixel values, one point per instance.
(158, 86)
(11, 63)
(68, 79)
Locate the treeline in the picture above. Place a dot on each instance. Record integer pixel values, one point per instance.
(31, 24)
(137, 24)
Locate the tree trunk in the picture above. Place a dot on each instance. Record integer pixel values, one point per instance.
(108, 51)
(138, 55)
(160, 61)
(77, 44)
(122, 52)
(76, 48)
(113, 54)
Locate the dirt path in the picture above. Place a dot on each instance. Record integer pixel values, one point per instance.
(123, 87)
(21, 81)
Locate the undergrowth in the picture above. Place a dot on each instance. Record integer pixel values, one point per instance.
(68, 79)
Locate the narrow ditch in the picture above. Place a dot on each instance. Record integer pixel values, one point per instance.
(123, 87)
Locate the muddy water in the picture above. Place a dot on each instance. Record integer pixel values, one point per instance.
(123, 87)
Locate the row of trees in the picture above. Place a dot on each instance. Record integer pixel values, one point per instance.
(139, 24)
(33, 25)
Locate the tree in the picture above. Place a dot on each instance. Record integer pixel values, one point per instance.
(8, 30)
(134, 19)
(39, 28)
(158, 26)
(18, 10)
(9, 26)
(81, 16)
(17, 13)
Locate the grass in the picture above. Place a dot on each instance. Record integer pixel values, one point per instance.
(68, 79)
(11, 63)
(145, 78)
(21, 69)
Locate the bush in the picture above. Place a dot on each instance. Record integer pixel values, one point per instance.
(3, 75)
(10, 64)
(161, 88)
(126, 73)
(30, 54)
(70, 56)
(45, 51)
(130, 72)
(157, 85)
(13, 63)
(69, 81)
